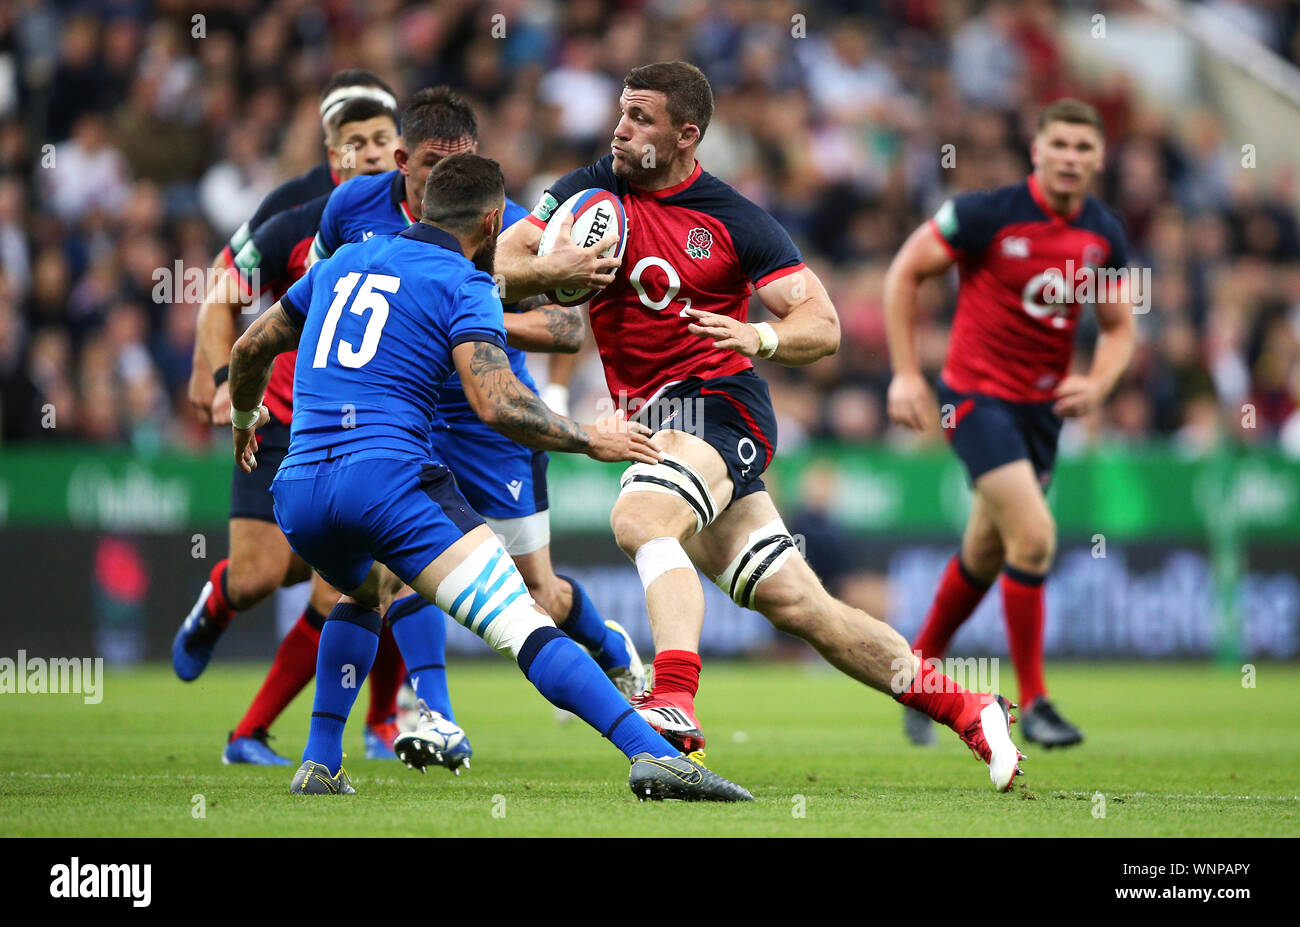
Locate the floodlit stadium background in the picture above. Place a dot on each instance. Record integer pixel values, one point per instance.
(134, 136)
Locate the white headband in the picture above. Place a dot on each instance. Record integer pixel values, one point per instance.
(342, 96)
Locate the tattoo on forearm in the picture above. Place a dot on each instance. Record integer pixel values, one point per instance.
(564, 325)
(521, 415)
(256, 350)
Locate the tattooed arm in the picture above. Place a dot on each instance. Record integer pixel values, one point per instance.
(540, 325)
(501, 401)
(274, 332)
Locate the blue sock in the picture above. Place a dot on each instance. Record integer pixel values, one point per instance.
(570, 679)
(586, 626)
(421, 634)
(348, 642)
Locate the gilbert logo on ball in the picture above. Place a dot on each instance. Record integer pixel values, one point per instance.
(596, 214)
(698, 243)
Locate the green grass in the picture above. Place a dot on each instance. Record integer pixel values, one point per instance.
(1175, 750)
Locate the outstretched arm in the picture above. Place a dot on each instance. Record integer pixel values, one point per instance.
(251, 359)
(501, 401)
(541, 325)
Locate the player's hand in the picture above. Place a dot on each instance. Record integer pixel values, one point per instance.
(246, 441)
(580, 268)
(727, 333)
(614, 438)
(220, 411)
(200, 393)
(1078, 394)
(910, 402)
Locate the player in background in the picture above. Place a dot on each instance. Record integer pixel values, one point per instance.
(1007, 382)
(352, 495)
(670, 327)
(502, 480)
(269, 258)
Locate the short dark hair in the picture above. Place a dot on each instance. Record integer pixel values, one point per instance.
(437, 113)
(461, 190)
(354, 77)
(361, 109)
(1068, 109)
(690, 98)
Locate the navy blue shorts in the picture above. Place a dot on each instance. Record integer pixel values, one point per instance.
(499, 478)
(987, 432)
(732, 414)
(342, 515)
(250, 493)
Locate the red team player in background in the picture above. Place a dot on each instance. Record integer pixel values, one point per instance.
(1007, 384)
(260, 560)
(670, 325)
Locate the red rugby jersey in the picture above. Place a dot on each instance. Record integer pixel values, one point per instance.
(271, 260)
(1013, 334)
(697, 245)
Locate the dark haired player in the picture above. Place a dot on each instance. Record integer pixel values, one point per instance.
(268, 255)
(382, 324)
(502, 480)
(670, 326)
(1007, 382)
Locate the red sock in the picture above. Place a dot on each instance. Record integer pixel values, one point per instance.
(386, 676)
(936, 694)
(958, 594)
(218, 606)
(1022, 601)
(677, 671)
(294, 667)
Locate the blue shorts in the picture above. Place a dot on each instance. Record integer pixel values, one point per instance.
(250, 493)
(499, 478)
(987, 432)
(342, 515)
(732, 414)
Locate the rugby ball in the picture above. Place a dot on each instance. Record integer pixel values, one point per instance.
(596, 213)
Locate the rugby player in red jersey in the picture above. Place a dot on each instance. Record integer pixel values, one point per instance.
(670, 327)
(268, 253)
(1007, 384)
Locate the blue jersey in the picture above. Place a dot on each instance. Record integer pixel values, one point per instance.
(376, 205)
(380, 320)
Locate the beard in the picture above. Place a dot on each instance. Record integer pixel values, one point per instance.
(485, 257)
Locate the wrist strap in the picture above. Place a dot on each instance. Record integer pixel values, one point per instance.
(767, 340)
(244, 420)
(221, 375)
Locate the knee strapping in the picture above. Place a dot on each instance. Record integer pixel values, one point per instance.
(486, 594)
(657, 556)
(765, 551)
(675, 477)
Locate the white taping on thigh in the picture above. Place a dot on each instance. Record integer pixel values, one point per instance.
(657, 556)
(675, 477)
(524, 535)
(765, 551)
(486, 594)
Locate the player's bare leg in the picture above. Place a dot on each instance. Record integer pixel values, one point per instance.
(961, 588)
(651, 527)
(865, 648)
(1014, 500)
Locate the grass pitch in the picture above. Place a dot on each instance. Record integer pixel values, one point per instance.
(1174, 750)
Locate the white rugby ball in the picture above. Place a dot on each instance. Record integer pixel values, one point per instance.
(596, 213)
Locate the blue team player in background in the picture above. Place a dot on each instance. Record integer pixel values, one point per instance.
(382, 325)
(502, 480)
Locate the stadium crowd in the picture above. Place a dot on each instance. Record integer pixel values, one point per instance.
(135, 137)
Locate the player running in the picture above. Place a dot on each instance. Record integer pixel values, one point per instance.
(671, 330)
(382, 325)
(364, 134)
(1006, 384)
(502, 480)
